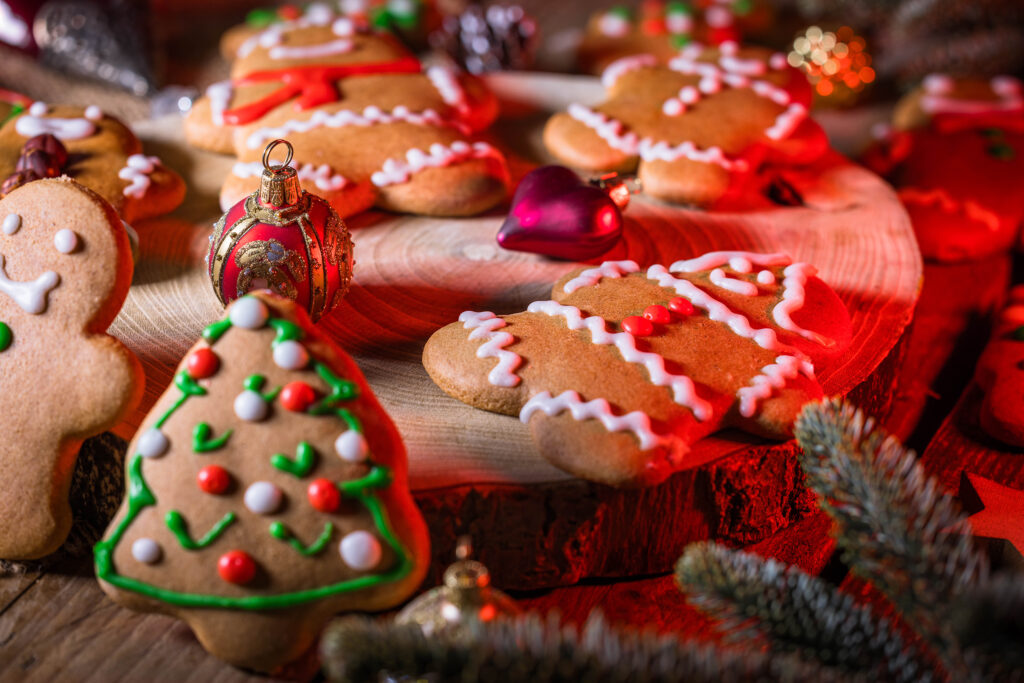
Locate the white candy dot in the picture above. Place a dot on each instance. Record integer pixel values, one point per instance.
(153, 443)
(93, 113)
(766, 277)
(11, 223)
(146, 551)
(65, 241)
(249, 313)
(291, 355)
(38, 109)
(351, 446)
(360, 550)
(250, 406)
(263, 498)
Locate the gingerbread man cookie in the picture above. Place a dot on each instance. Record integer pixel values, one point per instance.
(100, 153)
(625, 368)
(65, 267)
(369, 124)
(1000, 373)
(266, 492)
(695, 128)
(956, 157)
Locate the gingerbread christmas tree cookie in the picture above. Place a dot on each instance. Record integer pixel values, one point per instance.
(93, 148)
(65, 268)
(370, 125)
(695, 128)
(624, 368)
(266, 492)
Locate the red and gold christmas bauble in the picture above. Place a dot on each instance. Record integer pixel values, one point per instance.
(283, 239)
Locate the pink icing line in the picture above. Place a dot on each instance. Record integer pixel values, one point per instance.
(637, 422)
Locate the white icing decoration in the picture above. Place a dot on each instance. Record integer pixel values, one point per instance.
(30, 296)
(741, 264)
(351, 446)
(938, 98)
(715, 259)
(484, 325)
(12, 223)
(683, 390)
(446, 82)
(13, 29)
(370, 116)
(613, 25)
(718, 311)
(396, 171)
(343, 27)
(250, 406)
(248, 313)
(766, 277)
(65, 241)
(678, 22)
(93, 113)
(263, 498)
(717, 16)
(637, 422)
(146, 551)
(335, 47)
(787, 122)
(323, 176)
(591, 276)
(137, 169)
(621, 67)
(291, 355)
(33, 124)
(220, 94)
(742, 287)
(778, 61)
(772, 377)
(153, 443)
(795, 277)
(272, 35)
(360, 550)
(941, 199)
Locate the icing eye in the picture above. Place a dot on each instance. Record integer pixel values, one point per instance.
(38, 109)
(93, 113)
(11, 224)
(65, 241)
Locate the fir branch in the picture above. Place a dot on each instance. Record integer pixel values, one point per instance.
(897, 528)
(529, 649)
(800, 613)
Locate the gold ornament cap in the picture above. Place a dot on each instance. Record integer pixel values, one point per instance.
(279, 185)
(465, 600)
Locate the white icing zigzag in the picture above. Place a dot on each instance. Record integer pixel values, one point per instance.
(683, 391)
(395, 171)
(323, 176)
(220, 97)
(591, 276)
(637, 422)
(136, 170)
(485, 325)
(772, 377)
(446, 82)
(30, 296)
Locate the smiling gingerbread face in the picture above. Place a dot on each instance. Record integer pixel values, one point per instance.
(65, 267)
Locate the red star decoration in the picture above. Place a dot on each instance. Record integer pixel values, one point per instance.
(998, 513)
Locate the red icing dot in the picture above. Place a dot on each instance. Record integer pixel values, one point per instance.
(297, 396)
(202, 363)
(324, 495)
(235, 566)
(653, 27)
(635, 325)
(658, 314)
(213, 479)
(289, 12)
(681, 305)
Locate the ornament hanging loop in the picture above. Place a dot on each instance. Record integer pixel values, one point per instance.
(279, 185)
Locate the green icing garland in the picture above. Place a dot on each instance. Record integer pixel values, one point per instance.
(140, 496)
(5, 336)
(201, 441)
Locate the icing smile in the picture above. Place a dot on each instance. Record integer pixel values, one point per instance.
(30, 296)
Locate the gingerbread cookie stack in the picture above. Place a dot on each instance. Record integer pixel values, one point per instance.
(695, 128)
(624, 368)
(370, 125)
(266, 492)
(65, 267)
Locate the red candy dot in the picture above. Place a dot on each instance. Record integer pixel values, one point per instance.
(202, 363)
(236, 566)
(637, 326)
(213, 479)
(681, 305)
(324, 495)
(289, 12)
(658, 314)
(297, 396)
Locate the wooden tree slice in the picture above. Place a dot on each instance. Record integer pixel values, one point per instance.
(480, 473)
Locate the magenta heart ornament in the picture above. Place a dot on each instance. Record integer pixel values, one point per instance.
(555, 213)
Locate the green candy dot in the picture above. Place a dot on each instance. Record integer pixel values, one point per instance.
(261, 18)
(5, 336)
